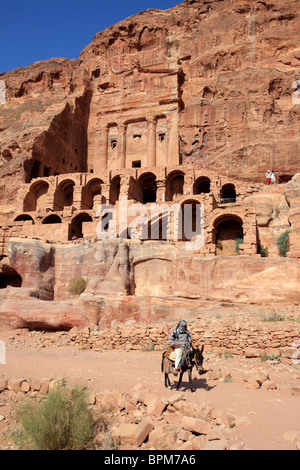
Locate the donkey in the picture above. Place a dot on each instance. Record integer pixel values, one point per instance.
(195, 359)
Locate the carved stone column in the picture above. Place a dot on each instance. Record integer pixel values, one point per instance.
(173, 142)
(161, 191)
(188, 183)
(122, 145)
(151, 161)
(105, 191)
(77, 198)
(101, 157)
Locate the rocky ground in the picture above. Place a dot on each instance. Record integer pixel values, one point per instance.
(239, 403)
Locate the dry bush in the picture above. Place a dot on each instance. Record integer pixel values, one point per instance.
(62, 421)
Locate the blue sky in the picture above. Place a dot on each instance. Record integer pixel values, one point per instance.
(36, 30)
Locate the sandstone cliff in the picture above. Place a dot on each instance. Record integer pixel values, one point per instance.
(144, 282)
(230, 67)
(209, 86)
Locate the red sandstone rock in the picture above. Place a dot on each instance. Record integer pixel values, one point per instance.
(218, 66)
(155, 108)
(195, 425)
(142, 431)
(192, 278)
(37, 314)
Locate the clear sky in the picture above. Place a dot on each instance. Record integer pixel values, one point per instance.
(36, 30)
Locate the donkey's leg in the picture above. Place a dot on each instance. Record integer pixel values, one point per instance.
(166, 380)
(190, 380)
(169, 383)
(180, 379)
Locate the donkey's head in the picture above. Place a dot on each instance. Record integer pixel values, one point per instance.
(198, 359)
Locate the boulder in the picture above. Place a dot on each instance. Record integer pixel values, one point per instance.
(38, 314)
(142, 431)
(125, 434)
(195, 425)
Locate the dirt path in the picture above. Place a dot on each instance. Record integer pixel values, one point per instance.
(265, 418)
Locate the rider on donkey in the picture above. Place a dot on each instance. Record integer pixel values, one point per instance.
(181, 340)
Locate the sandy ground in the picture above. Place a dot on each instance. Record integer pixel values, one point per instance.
(267, 418)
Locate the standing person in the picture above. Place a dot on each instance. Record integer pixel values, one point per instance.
(180, 339)
(273, 178)
(268, 176)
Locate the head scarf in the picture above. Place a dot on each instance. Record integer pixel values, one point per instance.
(179, 328)
(180, 331)
(180, 336)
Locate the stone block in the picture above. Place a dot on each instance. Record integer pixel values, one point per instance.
(252, 385)
(269, 385)
(142, 431)
(195, 425)
(44, 388)
(15, 384)
(251, 352)
(35, 386)
(155, 408)
(25, 387)
(125, 433)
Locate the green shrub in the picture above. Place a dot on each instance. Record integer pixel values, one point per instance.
(62, 421)
(239, 241)
(77, 285)
(282, 243)
(263, 251)
(271, 357)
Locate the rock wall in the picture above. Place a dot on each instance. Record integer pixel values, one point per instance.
(213, 85)
(235, 64)
(152, 269)
(251, 338)
(134, 280)
(222, 75)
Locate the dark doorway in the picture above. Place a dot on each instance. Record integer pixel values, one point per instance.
(10, 279)
(285, 178)
(64, 195)
(190, 223)
(202, 185)
(115, 188)
(228, 194)
(227, 233)
(94, 188)
(24, 218)
(35, 170)
(52, 219)
(76, 225)
(174, 186)
(148, 185)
